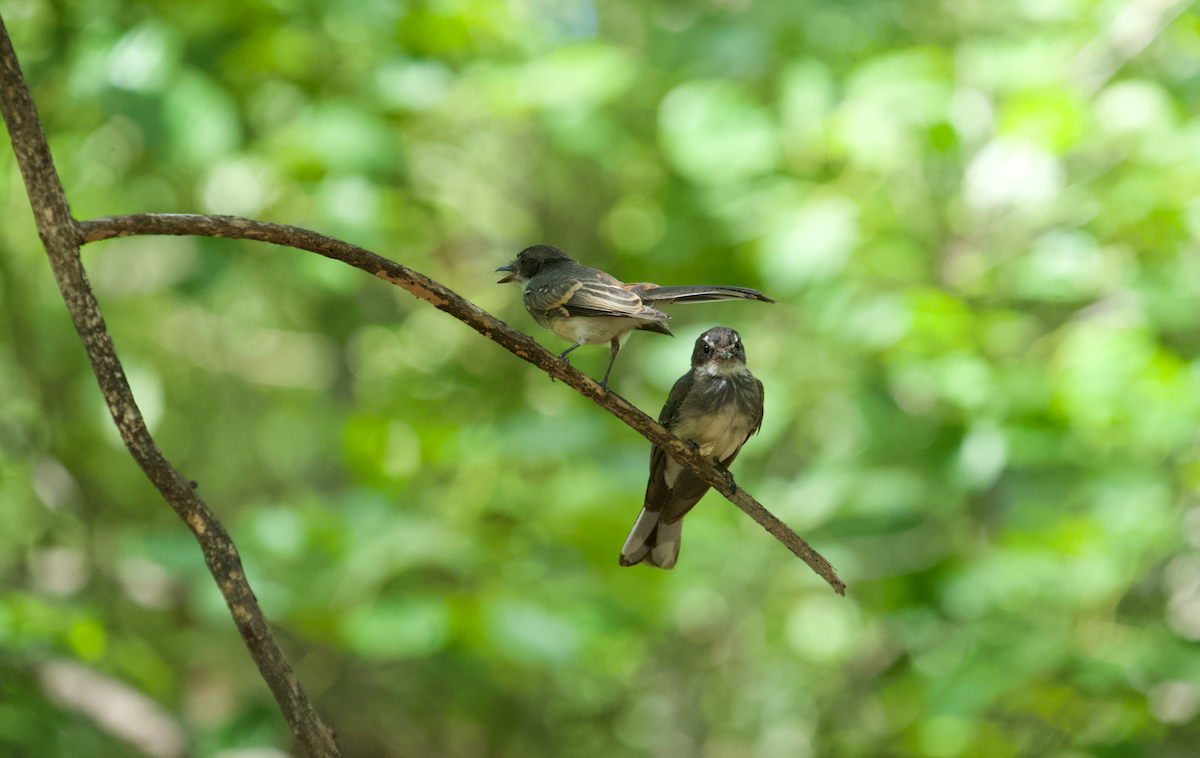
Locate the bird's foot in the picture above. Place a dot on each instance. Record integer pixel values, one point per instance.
(691, 445)
(562, 357)
(730, 484)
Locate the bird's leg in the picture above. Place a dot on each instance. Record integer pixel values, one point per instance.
(616, 348)
(729, 482)
(563, 355)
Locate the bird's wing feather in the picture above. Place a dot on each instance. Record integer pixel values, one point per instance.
(548, 296)
(675, 501)
(597, 297)
(675, 397)
(657, 491)
(587, 295)
(687, 491)
(762, 395)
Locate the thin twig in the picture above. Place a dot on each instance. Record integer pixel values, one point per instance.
(483, 322)
(61, 237)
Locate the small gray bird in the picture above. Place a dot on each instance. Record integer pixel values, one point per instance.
(586, 306)
(716, 407)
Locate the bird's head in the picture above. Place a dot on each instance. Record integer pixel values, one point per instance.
(531, 261)
(719, 351)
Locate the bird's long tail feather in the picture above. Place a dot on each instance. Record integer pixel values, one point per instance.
(665, 552)
(696, 293)
(640, 539)
(651, 542)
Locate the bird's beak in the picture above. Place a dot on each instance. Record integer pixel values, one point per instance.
(725, 355)
(509, 278)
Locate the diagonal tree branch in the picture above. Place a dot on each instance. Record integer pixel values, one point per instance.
(481, 321)
(60, 235)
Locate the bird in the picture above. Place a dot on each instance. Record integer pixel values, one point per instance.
(587, 306)
(714, 408)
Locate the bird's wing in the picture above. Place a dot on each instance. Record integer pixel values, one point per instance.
(583, 291)
(605, 296)
(658, 493)
(675, 501)
(762, 395)
(687, 491)
(548, 296)
(675, 397)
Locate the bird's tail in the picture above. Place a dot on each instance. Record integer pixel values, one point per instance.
(652, 542)
(695, 293)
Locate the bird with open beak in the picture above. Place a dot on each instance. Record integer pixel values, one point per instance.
(586, 306)
(715, 406)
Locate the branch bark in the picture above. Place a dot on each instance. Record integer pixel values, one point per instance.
(60, 234)
(489, 326)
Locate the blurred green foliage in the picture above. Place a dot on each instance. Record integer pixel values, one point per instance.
(983, 376)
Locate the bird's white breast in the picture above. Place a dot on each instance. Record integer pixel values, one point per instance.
(592, 330)
(717, 435)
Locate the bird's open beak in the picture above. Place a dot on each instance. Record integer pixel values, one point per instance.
(509, 278)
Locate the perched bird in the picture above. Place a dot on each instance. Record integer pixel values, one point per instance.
(589, 307)
(716, 407)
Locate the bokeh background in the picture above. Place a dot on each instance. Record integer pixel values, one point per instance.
(982, 377)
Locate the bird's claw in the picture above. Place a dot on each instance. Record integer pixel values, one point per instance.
(730, 484)
(562, 357)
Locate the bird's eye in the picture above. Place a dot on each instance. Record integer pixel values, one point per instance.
(707, 349)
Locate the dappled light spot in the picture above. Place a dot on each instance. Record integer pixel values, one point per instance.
(415, 85)
(260, 355)
(142, 58)
(530, 634)
(1174, 702)
(58, 570)
(143, 264)
(945, 736)
(54, 485)
(784, 742)
(114, 706)
(713, 133)
(982, 456)
(812, 244)
(576, 77)
(352, 200)
(236, 188)
(1013, 175)
(400, 628)
(145, 582)
(823, 628)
